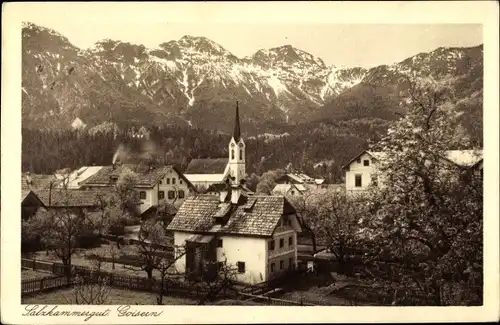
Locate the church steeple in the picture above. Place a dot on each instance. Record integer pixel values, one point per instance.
(237, 152)
(236, 132)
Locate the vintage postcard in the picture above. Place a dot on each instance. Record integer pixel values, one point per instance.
(249, 162)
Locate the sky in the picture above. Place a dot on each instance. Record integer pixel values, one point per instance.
(350, 45)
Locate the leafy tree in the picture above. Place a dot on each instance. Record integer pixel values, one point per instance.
(427, 222)
(267, 181)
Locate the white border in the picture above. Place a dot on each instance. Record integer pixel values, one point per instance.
(483, 12)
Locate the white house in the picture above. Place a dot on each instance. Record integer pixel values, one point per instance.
(255, 234)
(300, 178)
(361, 172)
(290, 189)
(156, 185)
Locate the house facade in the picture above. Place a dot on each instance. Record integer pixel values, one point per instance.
(155, 185)
(255, 235)
(361, 172)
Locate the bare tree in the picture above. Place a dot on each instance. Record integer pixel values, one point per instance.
(218, 279)
(164, 267)
(90, 289)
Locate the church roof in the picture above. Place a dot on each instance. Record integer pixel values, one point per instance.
(237, 132)
(207, 166)
(252, 216)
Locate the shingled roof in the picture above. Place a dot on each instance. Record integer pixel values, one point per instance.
(252, 216)
(207, 166)
(146, 177)
(36, 181)
(70, 198)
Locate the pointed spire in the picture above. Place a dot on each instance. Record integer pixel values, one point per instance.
(236, 132)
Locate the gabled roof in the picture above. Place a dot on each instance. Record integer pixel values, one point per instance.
(207, 166)
(377, 155)
(198, 215)
(80, 175)
(146, 177)
(70, 197)
(222, 186)
(27, 195)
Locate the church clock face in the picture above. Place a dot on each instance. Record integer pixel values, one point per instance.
(232, 145)
(241, 145)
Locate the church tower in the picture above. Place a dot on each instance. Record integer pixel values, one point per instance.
(237, 152)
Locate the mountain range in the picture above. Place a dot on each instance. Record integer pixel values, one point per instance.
(195, 82)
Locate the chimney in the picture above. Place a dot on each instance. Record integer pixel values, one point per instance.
(29, 181)
(235, 194)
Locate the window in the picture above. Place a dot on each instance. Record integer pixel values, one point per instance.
(219, 243)
(358, 160)
(142, 195)
(282, 242)
(290, 263)
(173, 180)
(181, 194)
(161, 182)
(282, 265)
(180, 181)
(168, 180)
(293, 192)
(241, 154)
(171, 195)
(241, 267)
(161, 195)
(232, 153)
(272, 267)
(366, 162)
(271, 245)
(357, 180)
(290, 241)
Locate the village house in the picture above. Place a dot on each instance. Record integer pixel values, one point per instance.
(361, 172)
(290, 189)
(163, 185)
(257, 235)
(77, 177)
(300, 178)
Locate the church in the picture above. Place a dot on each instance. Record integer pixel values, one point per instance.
(254, 234)
(212, 172)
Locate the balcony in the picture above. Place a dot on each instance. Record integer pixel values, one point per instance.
(281, 229)
(282, 251)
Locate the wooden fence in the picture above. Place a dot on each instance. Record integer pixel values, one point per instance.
(170, 286)
(32, 286)
(275, 301)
